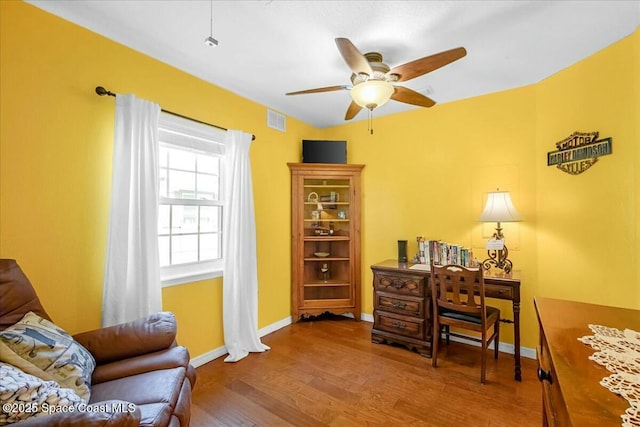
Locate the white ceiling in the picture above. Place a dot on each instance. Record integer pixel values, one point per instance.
(269, 48)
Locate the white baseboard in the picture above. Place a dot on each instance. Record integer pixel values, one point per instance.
(208, 356)
(200, 360)
(275, 326)
(221, 351)
(529, 353)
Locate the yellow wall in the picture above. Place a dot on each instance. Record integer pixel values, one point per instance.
(635, 88)
(427, 171)
(586, 228)
(579, 239)
(55, 169)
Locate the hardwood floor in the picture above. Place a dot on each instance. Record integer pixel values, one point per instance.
(328, 373)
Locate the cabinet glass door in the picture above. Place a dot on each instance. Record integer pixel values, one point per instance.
(327, 239)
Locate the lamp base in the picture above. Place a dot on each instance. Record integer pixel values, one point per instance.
(498, 258)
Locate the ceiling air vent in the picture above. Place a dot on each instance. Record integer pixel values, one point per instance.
(276, 121)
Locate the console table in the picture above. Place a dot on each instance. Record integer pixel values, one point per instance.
(402, 306)
(571, 390)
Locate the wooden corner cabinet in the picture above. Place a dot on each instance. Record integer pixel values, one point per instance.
(325, 239)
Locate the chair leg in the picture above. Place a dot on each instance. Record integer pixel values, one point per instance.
(446, 331)
(434, 345)
(496, 340)
(483, 358)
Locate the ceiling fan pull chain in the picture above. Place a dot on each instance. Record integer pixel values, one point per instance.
(370, 122)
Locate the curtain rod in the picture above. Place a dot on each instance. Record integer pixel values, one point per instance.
(102, 92)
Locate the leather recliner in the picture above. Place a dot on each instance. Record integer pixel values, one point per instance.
(137, 362)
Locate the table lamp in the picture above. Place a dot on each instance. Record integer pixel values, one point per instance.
(499, 208)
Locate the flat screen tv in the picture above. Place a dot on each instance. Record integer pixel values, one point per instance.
(323, 151)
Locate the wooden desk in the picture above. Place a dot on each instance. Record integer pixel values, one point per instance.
(573, 396)
(402, 306)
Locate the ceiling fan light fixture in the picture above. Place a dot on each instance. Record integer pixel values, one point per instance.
(372, 93)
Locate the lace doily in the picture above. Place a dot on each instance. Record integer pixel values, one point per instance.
(619, 352)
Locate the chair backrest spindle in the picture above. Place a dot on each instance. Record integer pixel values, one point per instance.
(457, 288)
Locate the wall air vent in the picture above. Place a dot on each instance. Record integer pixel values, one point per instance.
(276, 121)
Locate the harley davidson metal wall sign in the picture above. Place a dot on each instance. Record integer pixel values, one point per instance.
(578, 152)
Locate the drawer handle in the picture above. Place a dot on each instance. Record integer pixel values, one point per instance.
(544, 376)
(399, 325)
(398, 304)
(397, 284)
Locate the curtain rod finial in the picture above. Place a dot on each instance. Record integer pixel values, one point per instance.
(102, 91)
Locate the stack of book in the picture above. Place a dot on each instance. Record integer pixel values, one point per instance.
(443, 253)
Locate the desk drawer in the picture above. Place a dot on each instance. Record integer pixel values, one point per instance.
(555, 411)
(405, 326)
(408, 306)
(403, 284)
(497, 291)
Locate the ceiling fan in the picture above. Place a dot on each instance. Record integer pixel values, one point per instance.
(373, 80)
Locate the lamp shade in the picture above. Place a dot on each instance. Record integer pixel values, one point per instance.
(499, 208)
(372, 93)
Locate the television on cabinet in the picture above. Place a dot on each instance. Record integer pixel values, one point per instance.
(324, 151)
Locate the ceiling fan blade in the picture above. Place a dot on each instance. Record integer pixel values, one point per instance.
(427, 64)
(410, 96)
(318, 90)
(352, 56)
(352, 111)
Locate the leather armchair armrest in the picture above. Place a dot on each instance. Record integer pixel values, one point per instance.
(104, 414)
(174, 357)
(146, 335)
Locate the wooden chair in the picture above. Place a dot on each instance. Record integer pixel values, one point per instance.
(458, 302)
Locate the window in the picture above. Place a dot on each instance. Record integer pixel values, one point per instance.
(191, 210)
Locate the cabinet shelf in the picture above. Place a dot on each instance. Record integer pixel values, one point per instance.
(329, 283)
(311, 296)
(326, 259)
(325, 186)
(326, 220)
(326, 238)
(327, 205)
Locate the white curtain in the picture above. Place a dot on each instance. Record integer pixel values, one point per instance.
(240, 283)
(132, 286)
